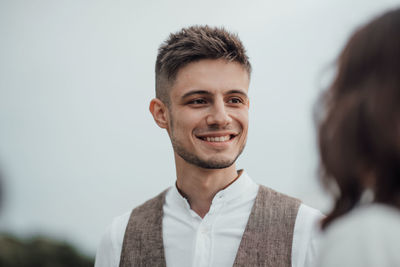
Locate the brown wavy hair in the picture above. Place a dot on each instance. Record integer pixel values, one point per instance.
(359, 119)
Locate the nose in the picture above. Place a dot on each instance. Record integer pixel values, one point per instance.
(219, 114)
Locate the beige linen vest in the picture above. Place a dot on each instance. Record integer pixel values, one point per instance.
(266, 241)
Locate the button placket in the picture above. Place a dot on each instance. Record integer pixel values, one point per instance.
(204, 236)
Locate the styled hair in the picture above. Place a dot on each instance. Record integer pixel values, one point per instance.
(193, 44)
(359, 129)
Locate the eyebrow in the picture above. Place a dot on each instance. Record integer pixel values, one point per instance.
(196, 92)
(235, 91)
(204, 92)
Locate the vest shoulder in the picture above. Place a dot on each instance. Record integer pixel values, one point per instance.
(154, 203)
(271, 193)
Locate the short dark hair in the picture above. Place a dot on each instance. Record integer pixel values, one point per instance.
(359, 132)
(193, 44)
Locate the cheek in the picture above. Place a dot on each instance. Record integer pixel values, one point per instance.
(242, 118)
(189, 120)
(182, 126)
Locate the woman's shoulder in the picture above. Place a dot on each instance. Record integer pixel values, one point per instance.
(372, 218)
(367, 236)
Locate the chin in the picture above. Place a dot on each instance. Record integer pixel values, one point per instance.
(216, 163)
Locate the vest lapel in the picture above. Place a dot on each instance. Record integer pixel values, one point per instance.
(267, 239)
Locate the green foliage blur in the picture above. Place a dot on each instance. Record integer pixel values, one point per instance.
(39, 252)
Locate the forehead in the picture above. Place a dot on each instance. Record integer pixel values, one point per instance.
(212, 75)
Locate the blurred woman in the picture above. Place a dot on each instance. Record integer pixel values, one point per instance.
(359, 143)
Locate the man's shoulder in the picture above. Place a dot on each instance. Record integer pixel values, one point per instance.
(109, 250)
(310, 212)
(308, 221)
(305, 209)
(306, 234)
(306, 215)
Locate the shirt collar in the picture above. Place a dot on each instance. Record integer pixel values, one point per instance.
(236, 190)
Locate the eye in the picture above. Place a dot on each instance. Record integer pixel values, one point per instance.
(235, 100)
(197, 101)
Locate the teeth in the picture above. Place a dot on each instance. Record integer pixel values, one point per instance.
(217, 139)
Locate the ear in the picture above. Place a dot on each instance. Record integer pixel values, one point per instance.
(160, 112)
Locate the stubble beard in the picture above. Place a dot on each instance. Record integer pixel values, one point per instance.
(191, 158)
(212, 163)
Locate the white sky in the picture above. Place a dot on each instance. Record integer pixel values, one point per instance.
(77, 143)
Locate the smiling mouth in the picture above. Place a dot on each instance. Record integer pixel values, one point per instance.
(217, 138)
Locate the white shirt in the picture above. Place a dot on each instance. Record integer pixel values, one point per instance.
(369, 236)
(214, 240)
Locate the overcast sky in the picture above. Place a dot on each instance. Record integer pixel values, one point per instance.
(77, 143)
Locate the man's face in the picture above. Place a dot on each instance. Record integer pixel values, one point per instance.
(208, 113)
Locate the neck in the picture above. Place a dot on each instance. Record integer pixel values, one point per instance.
(199, 185)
